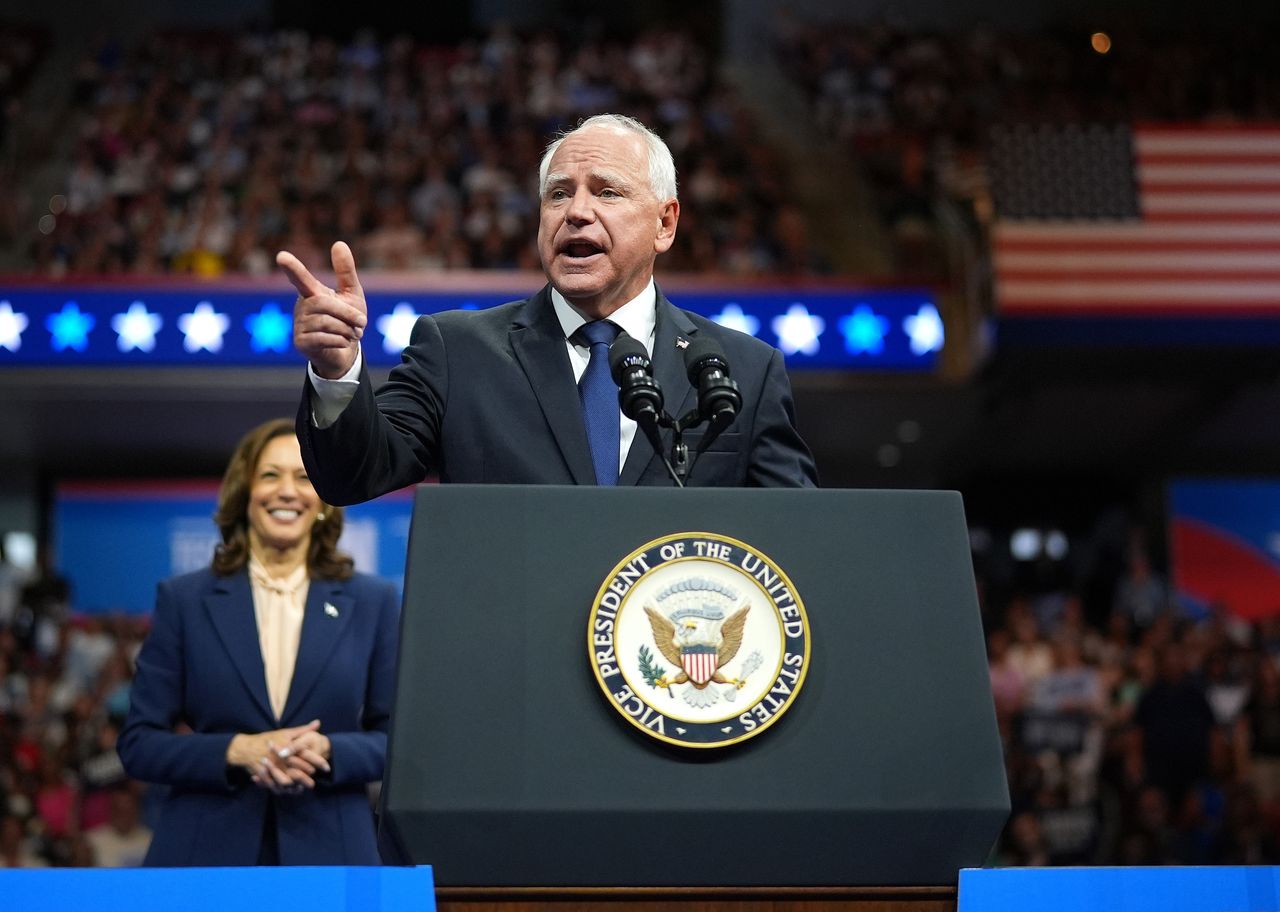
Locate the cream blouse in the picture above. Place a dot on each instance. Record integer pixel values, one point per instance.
(278, 604)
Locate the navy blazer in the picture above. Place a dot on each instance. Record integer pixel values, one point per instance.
(488, 397)
(201, 667)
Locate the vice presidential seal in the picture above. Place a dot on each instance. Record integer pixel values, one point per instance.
(699, 639)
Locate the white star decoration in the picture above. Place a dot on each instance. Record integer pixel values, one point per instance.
(136, 328)
(925, 329)
(798, 331)
(11, 327)
(203, 328)
(733, 317)
(396, 327)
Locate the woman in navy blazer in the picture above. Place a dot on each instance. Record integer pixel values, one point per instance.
(247, 785)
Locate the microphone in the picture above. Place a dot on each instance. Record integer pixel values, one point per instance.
(640, 398)
(639, 395)
(718, 398)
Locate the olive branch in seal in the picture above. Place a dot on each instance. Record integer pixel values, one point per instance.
(651, 671)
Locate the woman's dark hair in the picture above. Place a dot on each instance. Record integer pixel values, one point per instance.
(324, 560)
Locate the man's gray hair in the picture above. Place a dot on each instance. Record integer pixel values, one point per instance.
(662, 169)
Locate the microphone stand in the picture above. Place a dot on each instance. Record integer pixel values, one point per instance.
(640, 399)
(678, 465)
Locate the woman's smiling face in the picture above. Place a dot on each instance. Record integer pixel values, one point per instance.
(282, 504)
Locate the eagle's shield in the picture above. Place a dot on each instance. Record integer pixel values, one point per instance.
(699, 663)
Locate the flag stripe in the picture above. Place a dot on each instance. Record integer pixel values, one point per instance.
(1207, 141)
(1202, 201)
(1220, 282)
(1233, 263)
(1168, 291)
(1117, 278)
(1195, 218)
(1094, 245)
(1234, 188)
(1179, 173)
(1137, 231)
(1130, 308)
(1151, 160)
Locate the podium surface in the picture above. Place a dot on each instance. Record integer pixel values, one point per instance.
(508, 766)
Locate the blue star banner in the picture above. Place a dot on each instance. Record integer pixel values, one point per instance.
(853, 329)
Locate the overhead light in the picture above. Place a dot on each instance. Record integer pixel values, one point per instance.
(1025, 544)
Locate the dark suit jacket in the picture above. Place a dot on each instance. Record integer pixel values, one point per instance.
(201, 666)
(488, 397)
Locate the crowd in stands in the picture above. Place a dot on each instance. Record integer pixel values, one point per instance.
(1135, 731)
(64, 694)
(204, 154)
(914, 106)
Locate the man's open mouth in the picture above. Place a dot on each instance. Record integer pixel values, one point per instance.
(581, 249)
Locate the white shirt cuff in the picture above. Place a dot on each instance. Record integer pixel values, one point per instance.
(331, 396)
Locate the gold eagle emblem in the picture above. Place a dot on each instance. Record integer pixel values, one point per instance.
(673, 640)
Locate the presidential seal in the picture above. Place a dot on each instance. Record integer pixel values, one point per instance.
(699, 639)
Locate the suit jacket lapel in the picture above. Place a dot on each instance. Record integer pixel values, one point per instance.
(230, 609)
(326, 616)
(539, 346)
(672, 325)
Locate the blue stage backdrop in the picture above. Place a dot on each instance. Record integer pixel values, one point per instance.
(823, 327)
(115, 541)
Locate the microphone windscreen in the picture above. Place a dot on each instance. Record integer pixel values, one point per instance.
(626, 348)
(702, 353)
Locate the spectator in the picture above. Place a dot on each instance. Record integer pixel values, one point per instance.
(1173, 727)
(1141, 595)
(1261, 733)
(1029, 653)
(1007, 683)
(123, 841)
(57, 799)
(15, 846)
(10, 585)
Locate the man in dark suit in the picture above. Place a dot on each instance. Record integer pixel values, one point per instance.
(493, 396)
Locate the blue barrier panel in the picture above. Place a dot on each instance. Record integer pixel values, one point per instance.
(1201, 889)
(318, 889)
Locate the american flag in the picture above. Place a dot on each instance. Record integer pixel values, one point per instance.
(1149, 220)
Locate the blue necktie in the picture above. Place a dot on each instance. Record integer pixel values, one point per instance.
(599, 395)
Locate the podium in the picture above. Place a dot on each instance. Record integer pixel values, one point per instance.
(510, 772)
